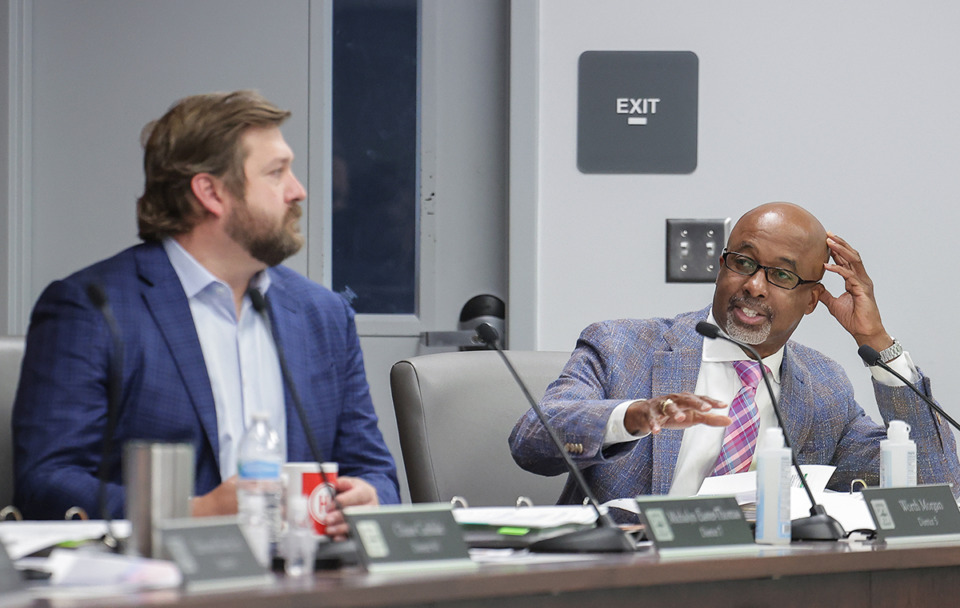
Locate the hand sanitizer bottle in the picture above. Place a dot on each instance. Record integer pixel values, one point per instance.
(773, 489)
(898, 457)
(300, 542)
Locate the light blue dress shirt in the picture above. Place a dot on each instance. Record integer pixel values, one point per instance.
(240, 354)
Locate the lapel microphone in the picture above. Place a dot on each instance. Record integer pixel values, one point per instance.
(819, 525)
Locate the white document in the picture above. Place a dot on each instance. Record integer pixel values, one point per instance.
(21, 538)
(848, 509)
(626, 504)
(527, 517)
(78, 568)
(744, 485)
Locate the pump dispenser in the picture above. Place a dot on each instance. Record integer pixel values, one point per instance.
(898, 457)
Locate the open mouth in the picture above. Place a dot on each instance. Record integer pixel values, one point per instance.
(750, 316)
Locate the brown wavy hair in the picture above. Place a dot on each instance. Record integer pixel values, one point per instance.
(198, 134)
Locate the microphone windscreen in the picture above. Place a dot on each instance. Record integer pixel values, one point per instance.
(256, 298)
(869, 355)
(97, 296)
(488, 333)
(708, 330)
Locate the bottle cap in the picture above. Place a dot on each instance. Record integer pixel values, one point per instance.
(898, 431)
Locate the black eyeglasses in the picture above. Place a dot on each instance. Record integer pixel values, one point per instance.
(781, 277)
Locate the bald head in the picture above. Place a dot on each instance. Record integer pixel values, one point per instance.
(798, 229)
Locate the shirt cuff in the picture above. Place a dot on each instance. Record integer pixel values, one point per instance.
(616, 431)
(903, 365)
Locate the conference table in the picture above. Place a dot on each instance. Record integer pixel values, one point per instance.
(849, 574)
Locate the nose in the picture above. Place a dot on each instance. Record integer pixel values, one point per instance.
(756, 285)
(295, 190)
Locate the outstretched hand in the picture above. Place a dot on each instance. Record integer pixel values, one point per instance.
(675, 411)
(856, 308)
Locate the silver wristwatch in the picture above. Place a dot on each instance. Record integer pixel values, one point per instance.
(892, 352)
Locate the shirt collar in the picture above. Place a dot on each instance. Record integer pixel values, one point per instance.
(195, 277)
(723, 351)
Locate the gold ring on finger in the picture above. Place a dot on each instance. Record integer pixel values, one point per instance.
(663, 406)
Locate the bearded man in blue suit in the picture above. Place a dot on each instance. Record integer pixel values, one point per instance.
(641, 405)
(219, 213)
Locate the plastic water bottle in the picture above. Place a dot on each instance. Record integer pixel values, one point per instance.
(773, 489)
(898, 457)
(260, 488)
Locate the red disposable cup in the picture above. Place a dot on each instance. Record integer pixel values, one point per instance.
(304, 478)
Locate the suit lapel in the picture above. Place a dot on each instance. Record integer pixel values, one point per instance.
(164, 296)
(674, 371)
(798, 418)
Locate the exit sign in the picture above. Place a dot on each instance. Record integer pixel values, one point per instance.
(637, 112)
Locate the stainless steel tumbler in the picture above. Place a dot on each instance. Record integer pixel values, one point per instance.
(159, 481)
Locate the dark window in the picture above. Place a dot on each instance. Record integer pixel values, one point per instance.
(375, 196)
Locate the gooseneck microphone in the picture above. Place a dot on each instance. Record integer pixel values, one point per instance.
(606, 537)
(260, 306)
(819, 525)
(872, 358)
(98, 298)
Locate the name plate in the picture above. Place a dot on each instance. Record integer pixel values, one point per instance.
(212, 553)
(914, 513)
(702, 524)
(10, 581)
(401, 537)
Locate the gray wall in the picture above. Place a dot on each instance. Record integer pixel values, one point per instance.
(102, 69)
(847, 108)
(4, 153)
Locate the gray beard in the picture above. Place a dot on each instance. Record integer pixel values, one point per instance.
(752, 336)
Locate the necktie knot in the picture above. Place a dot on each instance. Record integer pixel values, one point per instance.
(749, 372)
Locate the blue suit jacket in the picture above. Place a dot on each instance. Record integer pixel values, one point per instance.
(60, 412)
(621, 360)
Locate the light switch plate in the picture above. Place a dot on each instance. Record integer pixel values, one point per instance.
(693, 249)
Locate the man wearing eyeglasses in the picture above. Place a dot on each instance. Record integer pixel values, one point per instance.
(642, 405)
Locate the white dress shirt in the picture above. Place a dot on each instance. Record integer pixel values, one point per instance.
(718, 379)
(240, 354)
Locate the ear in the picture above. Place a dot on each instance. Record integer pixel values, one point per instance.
(210, 193)
(815, 292)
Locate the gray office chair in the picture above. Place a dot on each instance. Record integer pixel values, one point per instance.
(11, 356)
(455, 412)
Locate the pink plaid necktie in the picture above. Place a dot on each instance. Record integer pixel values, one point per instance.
(741, 436)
